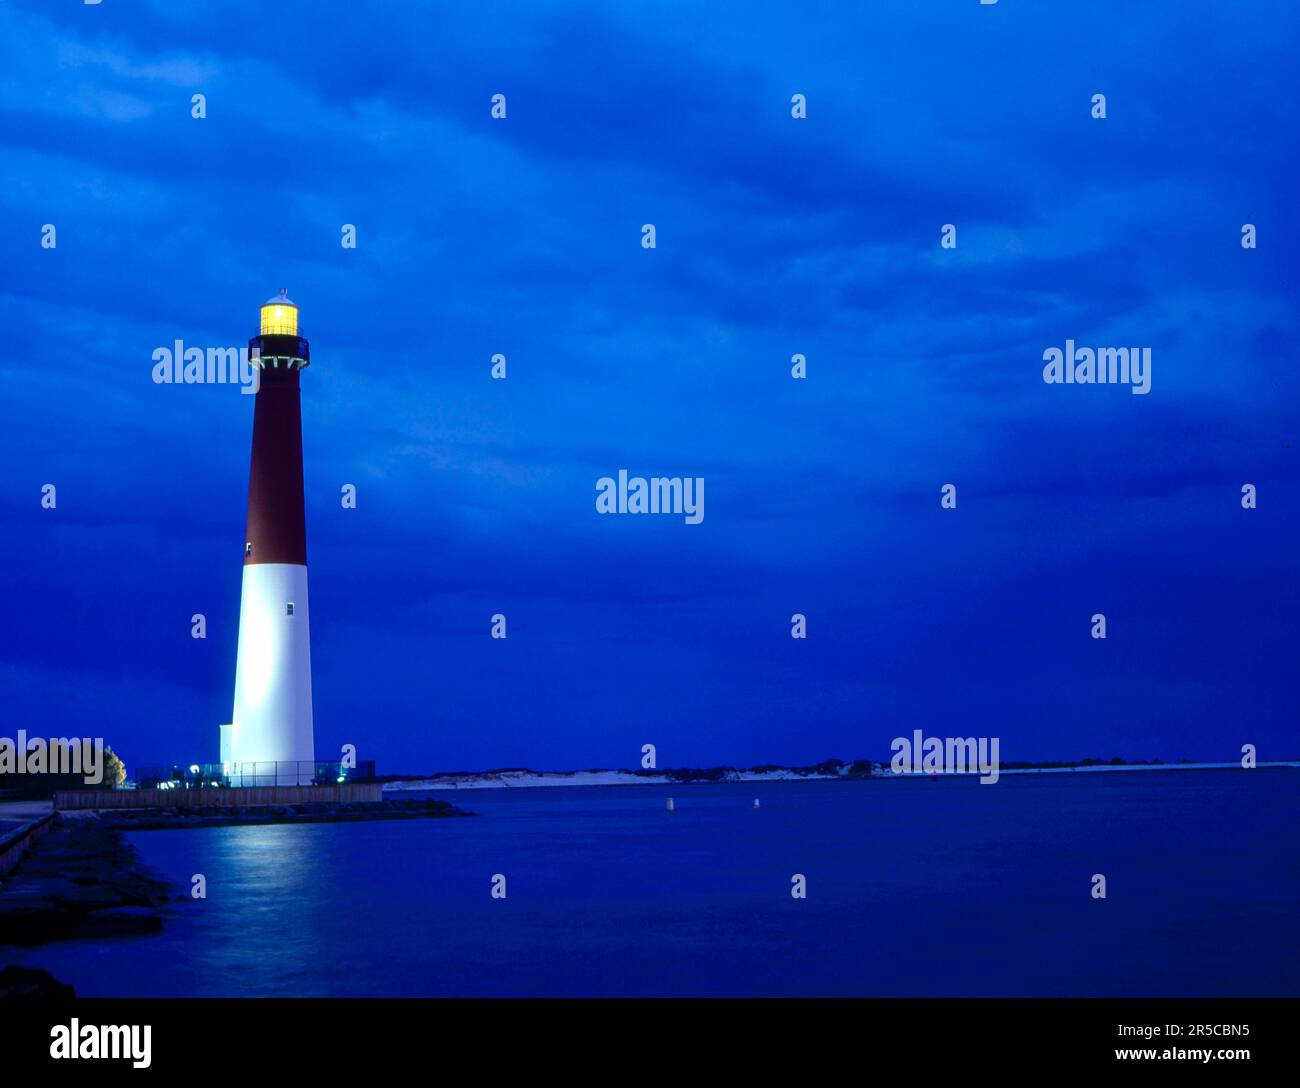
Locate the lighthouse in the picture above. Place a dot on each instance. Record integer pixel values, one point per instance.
(270, 741)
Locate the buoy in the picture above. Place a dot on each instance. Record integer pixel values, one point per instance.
(670, 804)
(756, 805)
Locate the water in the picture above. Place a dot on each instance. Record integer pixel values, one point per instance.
(915, 887)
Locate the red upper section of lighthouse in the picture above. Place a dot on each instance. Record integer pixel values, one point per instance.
(277, 524)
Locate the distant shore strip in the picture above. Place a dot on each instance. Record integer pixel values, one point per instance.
(525, 779)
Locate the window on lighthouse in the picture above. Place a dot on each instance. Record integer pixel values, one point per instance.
(248, 548)
(288, 609)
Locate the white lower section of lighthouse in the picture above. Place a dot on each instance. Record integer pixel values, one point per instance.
(272, 721)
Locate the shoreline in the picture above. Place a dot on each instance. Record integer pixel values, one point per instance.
(521, 779)
(1134, 767)
(524, 779)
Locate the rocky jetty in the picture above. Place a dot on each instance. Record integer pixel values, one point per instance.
(82, 880)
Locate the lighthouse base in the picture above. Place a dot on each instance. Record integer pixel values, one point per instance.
(272, 721)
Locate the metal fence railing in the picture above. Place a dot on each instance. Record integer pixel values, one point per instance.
(199, 776)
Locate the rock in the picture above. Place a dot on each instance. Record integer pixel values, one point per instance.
(32, 982)
(120, 922)
(52, 864)
(140, 891)
(32, 921)
(46, 887)
(92, 897)
(96, 872)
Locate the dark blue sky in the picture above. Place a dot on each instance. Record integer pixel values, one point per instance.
(775, 236)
